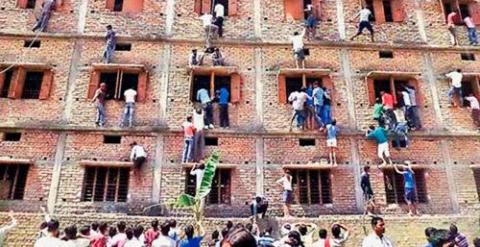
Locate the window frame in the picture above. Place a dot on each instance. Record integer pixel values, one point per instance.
(206, 6)
(127, 6)
(92, 187)
(235, 83)
(326, 81)
(319, 173)
(142, 82)
(18, 77)
(398, 193)
(392, 78)
(15, 181)
(474, 82)
(476, 178)
(397, 9)
(216, 190)
(473, 11)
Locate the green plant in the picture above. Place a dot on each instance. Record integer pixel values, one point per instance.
(196, 202)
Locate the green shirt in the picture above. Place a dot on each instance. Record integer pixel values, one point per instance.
(377, 110)
(379, 134)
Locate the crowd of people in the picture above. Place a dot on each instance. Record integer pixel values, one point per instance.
(170, 234)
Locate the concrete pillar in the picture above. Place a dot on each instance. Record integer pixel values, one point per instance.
(341, 20)
(432, 85)
(57, 169)
(170, 17)
(347, 76)
(259, 147)
(157, 169)
(452, 187)
(258, 87)
(163, 69)
(257, 18)
(72, 78)
(420, 21)
(82, 15)
(357, 167)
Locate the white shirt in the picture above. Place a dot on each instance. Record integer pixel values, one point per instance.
(49, 242)
(373, 240)
(365, 14)
(297, 41)
(198, 120)
(399, 115)
(69, 243)
(163, 241)
(134, 242)
(130, 95)
(456, 78)
(207, 19)
(138, 151)
(473, 102)
(298, 100)
(219, 10)
(119, 238)
(406, 98)
(82, 242)
(287, 185)
(413, 96)
(199, 174)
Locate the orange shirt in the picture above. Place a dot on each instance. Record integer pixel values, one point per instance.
(188, 129)
(387, 100)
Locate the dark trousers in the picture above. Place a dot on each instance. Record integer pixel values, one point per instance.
(261, 209)
(219, 23)
(138, 162)
(224, 120)
(208, 108)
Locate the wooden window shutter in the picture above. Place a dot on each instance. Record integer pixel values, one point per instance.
(93, 85)
(317, 8)
(22, 4)
(206, 6)
(18, 80)
(398, 11)
(419, 95)
(232, 7)
(133, 6)
(59, 4)
(393, 90)
(474, 9)
(110, 4)
(235, 85)
(2, 80)
(192, 94)
(294, 9)
(142, 87)
(282, 89)
(197, 6)
(371, 90)
(475, 87)
(379, 12)
(46, 84)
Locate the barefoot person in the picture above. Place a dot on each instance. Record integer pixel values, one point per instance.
(286, 182)
(409, 183)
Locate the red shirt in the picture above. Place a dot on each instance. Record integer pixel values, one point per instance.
(99, 240)
(387, 100)
(150, 235)
(188, 129)
(451, 18)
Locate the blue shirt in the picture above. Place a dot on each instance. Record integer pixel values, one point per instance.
(318, 96)
(409, 180)
(193, 242)
(223, 98)
(202, 96)
(331, 132)
(309, 92)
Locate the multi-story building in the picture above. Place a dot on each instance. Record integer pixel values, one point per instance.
(53, 155)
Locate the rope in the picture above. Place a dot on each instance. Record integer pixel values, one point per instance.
(29, 46)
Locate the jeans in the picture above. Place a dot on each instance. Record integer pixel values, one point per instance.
(299, 118)
(413, 117)
(107, 55)
(128, 114)
(318, 115)
(224, 121)
(452, 92)
(100, 119)
(187, 150)
(219, 23)
(208, 108)
(261, 208)
(326, 114)
(472, 36)
(453, 36)
(42, 22)
(390, 118)
(401, 130)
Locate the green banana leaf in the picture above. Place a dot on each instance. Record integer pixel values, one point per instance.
(209, 174)
(184, 201)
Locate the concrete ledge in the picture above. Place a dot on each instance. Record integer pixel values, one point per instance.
(115, 66)
(310, 166)
(218, 70)
(220, 165)
(9, 161)
(120, 164)
(307, 72)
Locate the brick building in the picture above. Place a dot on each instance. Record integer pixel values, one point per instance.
(52, 154)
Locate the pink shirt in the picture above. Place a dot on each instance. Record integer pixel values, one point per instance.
(188, 129)
(99, 241)
(450, 18)
(150, 235)
(469, 22)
